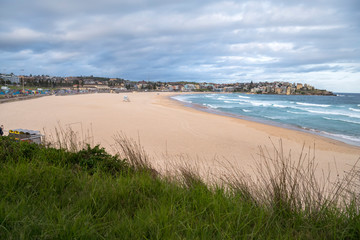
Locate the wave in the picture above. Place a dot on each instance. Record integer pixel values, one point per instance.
(296, 112)
(279, 106)
(216, 106)
(336, 136)
(242, 96)
(211, 106)
(235, 102)
(260, 103)
(230, 99)
(354, 109)
(235, 99)
(312, 104)
(276, 118)
(341, 120)
(181, 99)
(245, 101)
(245, 110)
(255, 103)
(334, 113)
(342, 136)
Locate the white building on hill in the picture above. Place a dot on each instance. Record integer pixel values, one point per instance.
(10, 77)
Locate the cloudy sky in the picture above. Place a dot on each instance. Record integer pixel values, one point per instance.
(312, 41)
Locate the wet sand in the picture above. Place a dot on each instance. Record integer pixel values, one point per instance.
(172, 133)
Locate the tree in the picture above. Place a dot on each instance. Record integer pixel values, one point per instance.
(251, 84)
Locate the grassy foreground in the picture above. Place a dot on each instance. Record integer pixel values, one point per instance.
(48, 193)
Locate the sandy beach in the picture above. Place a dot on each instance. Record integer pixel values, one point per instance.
(172, 133)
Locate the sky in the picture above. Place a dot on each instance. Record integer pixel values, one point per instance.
(309, 41)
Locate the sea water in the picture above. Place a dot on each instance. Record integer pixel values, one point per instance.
(337, 117)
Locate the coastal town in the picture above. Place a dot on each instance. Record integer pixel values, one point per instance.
(14, 85)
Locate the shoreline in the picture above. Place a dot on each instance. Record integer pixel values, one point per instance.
(266, 122)
(203, 109)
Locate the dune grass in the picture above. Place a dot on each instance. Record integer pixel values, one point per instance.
(49, 193)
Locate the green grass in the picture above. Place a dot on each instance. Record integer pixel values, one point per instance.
(47, 193)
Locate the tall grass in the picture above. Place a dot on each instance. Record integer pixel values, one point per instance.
(292, 184)
(59, 193)
(65, 137)
(133, 152)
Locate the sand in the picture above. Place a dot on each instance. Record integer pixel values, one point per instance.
(172, 133)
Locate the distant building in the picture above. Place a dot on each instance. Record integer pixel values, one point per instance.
(189, 87)
(10, 77)
(278, 90)
(288, 90)
(228, 89)
(309, 87)
(299, 86)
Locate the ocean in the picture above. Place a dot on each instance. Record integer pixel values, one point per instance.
(336, 117)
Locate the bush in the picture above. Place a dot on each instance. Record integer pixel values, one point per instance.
(96, 158)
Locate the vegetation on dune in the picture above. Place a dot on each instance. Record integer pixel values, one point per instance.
(54, 193)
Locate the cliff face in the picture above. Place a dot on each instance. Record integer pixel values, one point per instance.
(321, 92)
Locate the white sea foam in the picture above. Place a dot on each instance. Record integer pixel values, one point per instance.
(228, 98)
(215, 106)
(296, 112)
(342, 136)
(242, 96)
(354, 109)
(230, 101)
(334, 113)
(312, 104)
(233, 99)
(279, 106)
(276, 118)
(260, 103)
(182, 99)
(341, 120)
(246, 110)
(211, 106)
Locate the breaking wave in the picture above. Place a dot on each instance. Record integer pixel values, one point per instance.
(242, 96)
(354, 109)
(341, 120)
(312, 104)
